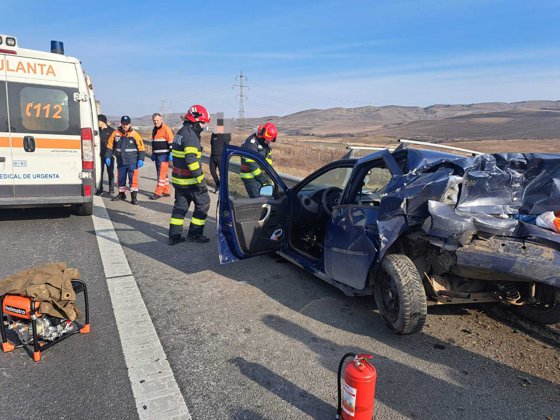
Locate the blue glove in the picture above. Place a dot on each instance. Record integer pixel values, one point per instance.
(140, 163)
(108, 161)
(153, 157)
(170, 158)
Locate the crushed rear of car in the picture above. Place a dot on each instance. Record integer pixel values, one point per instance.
(467, 224)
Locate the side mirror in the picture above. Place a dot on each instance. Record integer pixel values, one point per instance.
(266, 191)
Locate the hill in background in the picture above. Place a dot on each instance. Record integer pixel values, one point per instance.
(439, 123)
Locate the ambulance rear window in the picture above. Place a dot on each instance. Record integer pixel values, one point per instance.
(43, 109)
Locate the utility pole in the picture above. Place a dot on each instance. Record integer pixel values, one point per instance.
(164, 108)
(242, 97)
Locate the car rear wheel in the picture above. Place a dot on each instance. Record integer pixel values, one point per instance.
(400, 296)
(547, 311)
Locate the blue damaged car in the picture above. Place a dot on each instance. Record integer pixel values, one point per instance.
(411, 227)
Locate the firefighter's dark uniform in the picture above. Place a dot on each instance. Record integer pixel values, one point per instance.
(189, 183)
(129, 148)
(251, 174)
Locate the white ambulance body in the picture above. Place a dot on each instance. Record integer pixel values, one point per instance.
(49, 136)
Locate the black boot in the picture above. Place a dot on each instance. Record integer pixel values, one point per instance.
(119, 196)
(173, 240)
(198, 237)
(134, 199)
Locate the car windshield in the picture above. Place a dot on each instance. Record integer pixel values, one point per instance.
(336, 177)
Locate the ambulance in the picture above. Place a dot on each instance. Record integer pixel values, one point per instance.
(49, 137)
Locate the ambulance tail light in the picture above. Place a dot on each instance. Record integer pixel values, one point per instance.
(88, 157)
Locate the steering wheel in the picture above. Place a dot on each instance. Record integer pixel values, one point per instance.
(331, 197)
(308, 204)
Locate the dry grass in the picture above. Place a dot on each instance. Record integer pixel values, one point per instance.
(291, 156)
(301, 155)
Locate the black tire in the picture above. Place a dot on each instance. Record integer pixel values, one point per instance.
(85, 209)
(546, 312)
(400, 296)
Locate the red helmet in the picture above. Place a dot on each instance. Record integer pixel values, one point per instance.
(267, 131)
(197, 113)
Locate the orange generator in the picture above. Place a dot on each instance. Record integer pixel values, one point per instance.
(21, 315)
(356, 389)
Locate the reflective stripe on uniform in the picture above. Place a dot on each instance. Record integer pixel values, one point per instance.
(161, 151)
(176, 222)
(187, 181)
(130, 150)
(194, 166)
(178, 154)
(251, 174)
(269, 160)
(160, 140)
(198, 222)
(248, 160)
(191, 149)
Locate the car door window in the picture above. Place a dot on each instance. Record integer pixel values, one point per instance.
(247, 178)
(374, 181)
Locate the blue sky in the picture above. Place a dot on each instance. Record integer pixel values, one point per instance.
(300, 54)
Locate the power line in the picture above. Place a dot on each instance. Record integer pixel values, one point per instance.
(242, 97)
(164, 108)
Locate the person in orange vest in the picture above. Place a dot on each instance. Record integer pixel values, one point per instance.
(162, 139)
(128, 147)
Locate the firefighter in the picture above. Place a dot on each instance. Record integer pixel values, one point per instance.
(162, 139)
(187, 178)
(251, 174)
(127, 145)
(105, 132)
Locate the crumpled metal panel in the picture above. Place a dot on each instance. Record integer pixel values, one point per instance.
(446, 224)
(493, 187)
(510, 183)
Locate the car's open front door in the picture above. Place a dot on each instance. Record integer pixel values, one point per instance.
(253, 206)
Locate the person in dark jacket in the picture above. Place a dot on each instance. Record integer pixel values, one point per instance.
(250, 172)
(188, 179)
(105, 132)
(217, 142)
(127, 145)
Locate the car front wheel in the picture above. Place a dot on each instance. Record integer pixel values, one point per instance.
(399, 295)
(547, 310)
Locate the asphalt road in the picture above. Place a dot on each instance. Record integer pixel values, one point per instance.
(255, 339)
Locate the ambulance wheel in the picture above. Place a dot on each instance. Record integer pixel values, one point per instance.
(400, 296)
(85, 209)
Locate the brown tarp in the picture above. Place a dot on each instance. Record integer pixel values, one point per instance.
(50, 284)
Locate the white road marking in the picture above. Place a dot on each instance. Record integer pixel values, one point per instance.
(154, 387)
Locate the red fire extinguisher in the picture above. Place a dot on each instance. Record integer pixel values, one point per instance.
(356, 393)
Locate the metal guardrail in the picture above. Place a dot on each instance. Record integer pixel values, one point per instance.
(440, 146)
